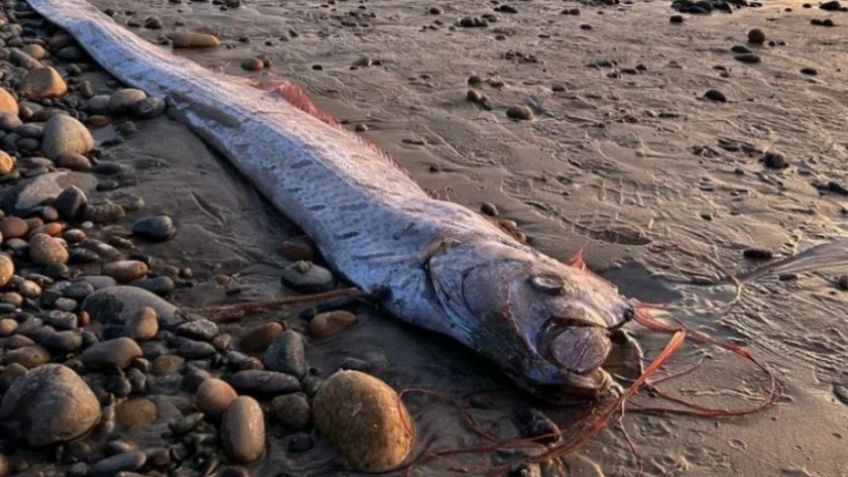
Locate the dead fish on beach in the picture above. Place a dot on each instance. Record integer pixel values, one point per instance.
(432, 263)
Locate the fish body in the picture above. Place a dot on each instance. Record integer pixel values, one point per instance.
(437, 264)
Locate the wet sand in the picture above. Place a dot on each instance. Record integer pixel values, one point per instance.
(665, 189)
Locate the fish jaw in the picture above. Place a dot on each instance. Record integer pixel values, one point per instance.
(547, 324)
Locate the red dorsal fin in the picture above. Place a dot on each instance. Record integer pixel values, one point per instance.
(576, 260)
(295, 96)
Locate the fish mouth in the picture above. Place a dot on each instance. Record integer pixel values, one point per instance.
(575, 389)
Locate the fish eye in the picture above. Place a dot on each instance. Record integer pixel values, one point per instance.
(549, 283)
(628, 315)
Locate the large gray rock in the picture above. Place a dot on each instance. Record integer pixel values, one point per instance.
(44, 189)
(119, 303)
(48, 405)
(65, 135)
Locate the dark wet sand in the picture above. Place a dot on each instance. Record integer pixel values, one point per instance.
(628, 165)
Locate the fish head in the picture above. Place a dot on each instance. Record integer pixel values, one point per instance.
(548, 324)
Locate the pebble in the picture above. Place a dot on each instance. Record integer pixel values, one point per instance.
(475, 96)
(166, 365)
(774, 160)
(135, 414)
(109, 355)
(749, 58)
(253, 64)
(259, 338)
(264, 383)
(156, 228)
(7, 269)
(287, 354)
(292, 411)
(214, 396)
(158, 285)
(324, 325)
(758, 254)
(14, 227)
(306, 277)
(46, 250)
(365, 419)
(63, 341)
(143, 325)
(243, 430)
(202, 329)
(74, 162)
(48, 405)
(191, 349)
(715, 95)
(115, 464)
(125, 271)
(842, 282)
(298, 249)
(65, 135)
(8, 104)
(7, 327)
(70, 202)
(809, 71)
(756, 36)
(194, 40)
(29, 357)
(519, 112)
(122, 101)
(41, 83)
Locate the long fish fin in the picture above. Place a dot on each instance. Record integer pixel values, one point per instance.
(297, 97)
(576, 260)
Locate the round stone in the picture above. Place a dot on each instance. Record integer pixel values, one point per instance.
(46, 250)
(519, 112)
(292, 411)
(143, 325)
(324, 325)
(306, 277)
(365, 419)
(7, 163)
(111, 354)
(48, 405)
(156, 228)
(7, 327)
(243, 430)
(70, 202)
(65, 135)
(756, 36)
(287, 355)
(258, 339)
(125, 271)
(123, 100)
(214, 396)
(253, 64)
(41, 83)
(135, 414)
(7, 269)
(14, 227)
(194, 40)
(8, 103)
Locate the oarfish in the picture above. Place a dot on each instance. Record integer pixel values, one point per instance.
(432, 263)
